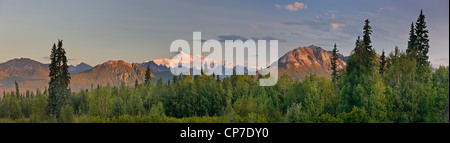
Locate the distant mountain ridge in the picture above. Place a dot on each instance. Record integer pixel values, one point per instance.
(81, 67)
(22, 69)
(31, 74)
(110, 72)
(156, 66)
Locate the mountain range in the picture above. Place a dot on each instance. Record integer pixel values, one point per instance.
(304, 61)
(31, 74)
(22, 69)
(81, 67)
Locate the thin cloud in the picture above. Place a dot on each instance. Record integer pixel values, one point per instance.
(48, 58)
(296, 6)
(331, 13)
(292, 23)
(278, 6)
(222, 38)
(231, 37)
(387, 9)
(329, 22)
(295, 33)
(336, 26)
(254, 26)
(267, 38)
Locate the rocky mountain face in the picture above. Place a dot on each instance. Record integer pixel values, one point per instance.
(22, 69)
(304, 61)
(81, 67)
(112, 72)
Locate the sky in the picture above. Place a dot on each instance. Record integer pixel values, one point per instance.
(138, 31)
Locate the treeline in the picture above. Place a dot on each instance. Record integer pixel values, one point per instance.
(240, 99)
(397, 88)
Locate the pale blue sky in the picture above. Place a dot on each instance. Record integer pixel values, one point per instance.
(95, 31)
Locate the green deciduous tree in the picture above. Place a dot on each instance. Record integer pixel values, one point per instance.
(99, 101)
(437, 103)
(118, 107)
(357, 115)
(134, 105)
(38, 108)
(67, 115)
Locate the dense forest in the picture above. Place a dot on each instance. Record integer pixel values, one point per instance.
(395, 88)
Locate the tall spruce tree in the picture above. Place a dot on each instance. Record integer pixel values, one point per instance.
(371, 55)
(412, 41)
(382, 63)
(174, 78)
(422, 40)
(59, 81)
(53, 67)
(148, 77)
(362, 84)
(334, 59)
(17, 89)
(136, 83)
(367, 32)
(65, 75)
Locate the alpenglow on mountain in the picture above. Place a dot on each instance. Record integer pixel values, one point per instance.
(32, 75)
(22, 69)
(304, 61)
